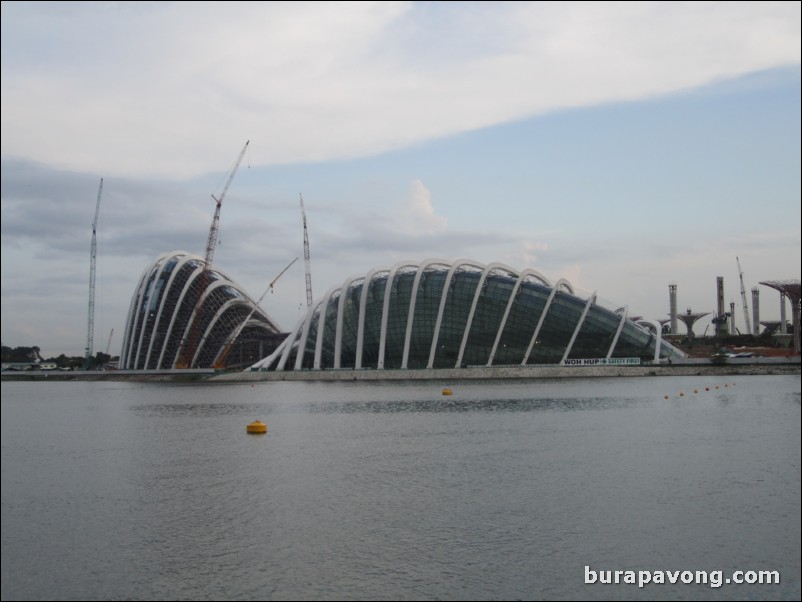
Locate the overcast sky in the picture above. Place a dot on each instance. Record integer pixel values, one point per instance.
(622, 146)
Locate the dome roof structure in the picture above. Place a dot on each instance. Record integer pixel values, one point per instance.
(451, 314)
(167, 327)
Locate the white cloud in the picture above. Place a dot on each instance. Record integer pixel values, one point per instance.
(168, 88)
(109, 89)
(532, 252)
(417, 216)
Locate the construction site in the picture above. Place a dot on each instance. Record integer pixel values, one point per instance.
(186, 315)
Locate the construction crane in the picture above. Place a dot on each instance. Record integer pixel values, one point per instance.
(306, 259)
(188, 349)
(90, 335)
(211, 242)
(743, 298)
(108, 345)
(221, 360)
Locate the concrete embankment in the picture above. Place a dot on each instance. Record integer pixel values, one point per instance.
(786, 366)
(509, 373)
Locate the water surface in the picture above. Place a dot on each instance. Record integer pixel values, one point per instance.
(372, 491)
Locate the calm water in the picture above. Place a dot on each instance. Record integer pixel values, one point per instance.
(396, 492)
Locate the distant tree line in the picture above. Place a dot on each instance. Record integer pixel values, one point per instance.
(31, 354)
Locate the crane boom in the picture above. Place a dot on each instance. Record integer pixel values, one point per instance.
(187, 352)
(743, 298)
(211, 242)
(108, 345)
(90, 335)
(221, 360)
(306, 259)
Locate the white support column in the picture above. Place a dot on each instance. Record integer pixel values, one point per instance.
(624, 313)
(386, 307)
(469, 322)
(150, 285)
(345, 292)
(167, 287)
(299, 356)
(321, 323)
(443, 298)
(130, 323)
(290, 340)
(546, 308)
(591, 300)
(412, 301)
(658, 333)
(360, 337)
(510, 303)
(192, 277)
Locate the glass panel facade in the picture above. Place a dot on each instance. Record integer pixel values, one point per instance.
(455, 315)
(161, 323)
(562, 317)
(427, 302)
(596, 334)
(490, 307)
(398, 312)
(350, 325)
(525, 312)
(466, 308)
(329, 331)
(373, 320)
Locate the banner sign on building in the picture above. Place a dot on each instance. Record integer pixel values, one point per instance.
(603, 361)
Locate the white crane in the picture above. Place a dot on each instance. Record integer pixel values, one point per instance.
(306, 259)
(90, 335)
(743, 298)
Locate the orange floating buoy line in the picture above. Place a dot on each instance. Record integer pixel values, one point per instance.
(257, 427)
(447, 391)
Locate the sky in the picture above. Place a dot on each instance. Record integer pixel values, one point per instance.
(621, 146)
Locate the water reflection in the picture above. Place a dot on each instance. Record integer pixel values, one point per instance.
(205, 410)
(549, 404)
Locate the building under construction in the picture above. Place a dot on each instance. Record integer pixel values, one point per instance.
(166, 330)
(434, 314)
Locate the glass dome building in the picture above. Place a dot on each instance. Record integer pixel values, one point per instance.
(452, 314)
(167, 327)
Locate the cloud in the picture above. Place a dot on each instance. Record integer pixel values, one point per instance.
(167, 88)
(532, 251)
(156, 98)
(417, 216)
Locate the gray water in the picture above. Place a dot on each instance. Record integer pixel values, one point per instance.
(359, 491)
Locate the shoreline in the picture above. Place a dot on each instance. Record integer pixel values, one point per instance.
(483, 373)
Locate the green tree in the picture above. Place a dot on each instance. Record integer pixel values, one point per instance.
(21, 354)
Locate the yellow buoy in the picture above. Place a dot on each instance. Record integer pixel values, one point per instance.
(257, 427)
(446, 391)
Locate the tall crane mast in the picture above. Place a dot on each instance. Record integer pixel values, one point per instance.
(189, 347)
(306, 259)
(221, 360)
(743, 298)
(90, 335)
